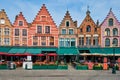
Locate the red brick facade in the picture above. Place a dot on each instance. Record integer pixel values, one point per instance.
(20, 31)
(43, 30)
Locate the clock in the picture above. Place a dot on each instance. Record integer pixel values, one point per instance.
(2, 21)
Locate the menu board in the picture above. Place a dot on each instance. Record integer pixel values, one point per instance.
(29, 58)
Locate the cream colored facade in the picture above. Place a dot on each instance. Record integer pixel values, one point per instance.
(5, 29)
(68, 32)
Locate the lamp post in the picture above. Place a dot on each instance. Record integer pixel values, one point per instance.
(114, 67)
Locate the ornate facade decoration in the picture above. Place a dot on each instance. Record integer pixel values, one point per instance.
(68, 32)
(110, 34)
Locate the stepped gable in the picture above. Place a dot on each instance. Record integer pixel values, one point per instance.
(3, 14)
(20, 17)
(67, 17)
(43, 12)
(87, 19)
(108, 15)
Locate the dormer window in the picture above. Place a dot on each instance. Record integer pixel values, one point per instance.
(20, 23)
(2, 21)
(88, 29)
(67, 23)
(110, 22)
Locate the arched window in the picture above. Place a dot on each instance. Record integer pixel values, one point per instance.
(107, 42)
(107, 32)
(115, 32)
(115, 42)
(110, 22)
(88, 29)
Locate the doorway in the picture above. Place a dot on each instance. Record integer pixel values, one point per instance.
(68, 58)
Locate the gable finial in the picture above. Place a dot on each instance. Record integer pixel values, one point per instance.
(88, 12)
(110, 9)
(87, 7)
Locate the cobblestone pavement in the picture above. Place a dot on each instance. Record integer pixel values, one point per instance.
(70, 74)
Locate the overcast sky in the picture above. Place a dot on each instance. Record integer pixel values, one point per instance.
(57, 8)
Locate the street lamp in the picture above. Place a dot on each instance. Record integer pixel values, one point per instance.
(114, 67)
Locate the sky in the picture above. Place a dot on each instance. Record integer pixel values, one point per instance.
(57, 8)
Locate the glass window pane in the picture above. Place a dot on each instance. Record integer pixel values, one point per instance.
(47, 29)
(24, 32)
(63, 31)
(39, 29)
(20, 23)
(71, 31)
(16, 32)
(110, 22)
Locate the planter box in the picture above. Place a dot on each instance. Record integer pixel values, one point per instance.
(62, 67)
(3, 66)
(51, 66)
(44, 67)
(97, 68)
(39, 67)
(81, 67)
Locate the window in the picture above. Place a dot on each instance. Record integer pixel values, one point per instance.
(115, 32)
(67, 42)
(16, 32)
(24, 32)
(43, 41)
(63, 31)
(2, 21)
(51, 41)
(88, 29)
(115, 42)
(39, 29)
(17, 40)
(110, 22)
(88, 41)
(81, 30)
(35, 40)
(0, 31)
(95, 41)
(24, 41)
(71, 31)
(6, 31)
(67, 24)
(73, 42)
(107, 32)
(6, 41)
(81, 41)
(47, 29)
(61, 42)
(95, 29)
(20, 23)
(107, 42)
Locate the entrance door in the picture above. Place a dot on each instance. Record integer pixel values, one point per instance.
(67, 58)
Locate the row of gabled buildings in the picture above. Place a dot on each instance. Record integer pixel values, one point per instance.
(43, 31)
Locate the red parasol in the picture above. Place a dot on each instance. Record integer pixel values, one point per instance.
(27, 54)
(3, 53)
(52, 54)
(40, 55)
